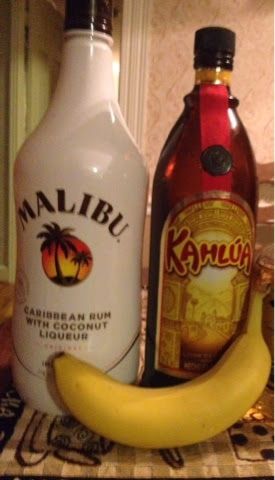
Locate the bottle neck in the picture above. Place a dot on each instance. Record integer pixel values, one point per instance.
(86, 71)
(213, 76)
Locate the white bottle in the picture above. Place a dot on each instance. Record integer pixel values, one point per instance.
(80, 194)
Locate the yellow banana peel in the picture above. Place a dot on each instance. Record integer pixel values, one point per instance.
(171, 416)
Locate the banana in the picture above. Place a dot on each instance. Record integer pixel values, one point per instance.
(171, 416)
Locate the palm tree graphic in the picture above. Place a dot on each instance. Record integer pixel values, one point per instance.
(53, 235)
(81, 258)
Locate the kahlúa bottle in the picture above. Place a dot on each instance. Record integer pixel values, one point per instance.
(203, 224)
(80, 191)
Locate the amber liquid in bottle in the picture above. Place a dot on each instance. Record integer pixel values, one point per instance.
(178, 177)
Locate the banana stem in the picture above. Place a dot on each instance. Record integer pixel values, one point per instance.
(255, 310)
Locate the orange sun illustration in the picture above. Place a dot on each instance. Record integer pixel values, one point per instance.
(66, 259)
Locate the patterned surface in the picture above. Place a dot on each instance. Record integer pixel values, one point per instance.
(171, 75)
(34, 444)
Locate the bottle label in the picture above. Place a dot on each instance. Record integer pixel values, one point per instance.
(206, 259)
(70, 292)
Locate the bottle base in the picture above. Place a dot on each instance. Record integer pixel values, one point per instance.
(37, 393)
(41, 394)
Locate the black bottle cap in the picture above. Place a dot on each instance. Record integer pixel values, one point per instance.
(214, 47)
(89, 15)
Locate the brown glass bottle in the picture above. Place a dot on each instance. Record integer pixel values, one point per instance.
(179, 181)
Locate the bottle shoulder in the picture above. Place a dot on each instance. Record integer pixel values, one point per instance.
(185, 136)
(179, 169)
(88, 136)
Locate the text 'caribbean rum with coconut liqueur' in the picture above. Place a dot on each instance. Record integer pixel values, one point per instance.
(203, 224)
(80, 193)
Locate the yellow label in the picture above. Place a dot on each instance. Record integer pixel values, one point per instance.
(206, 260)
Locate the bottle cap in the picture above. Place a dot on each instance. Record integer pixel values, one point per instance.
(89, 15)
(214, 47)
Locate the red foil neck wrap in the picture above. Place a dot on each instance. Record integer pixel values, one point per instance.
(215, 130)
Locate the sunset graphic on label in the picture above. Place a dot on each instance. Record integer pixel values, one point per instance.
(66, 260)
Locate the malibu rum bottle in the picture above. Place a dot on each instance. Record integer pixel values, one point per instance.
(80, 193)
(203, 224)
